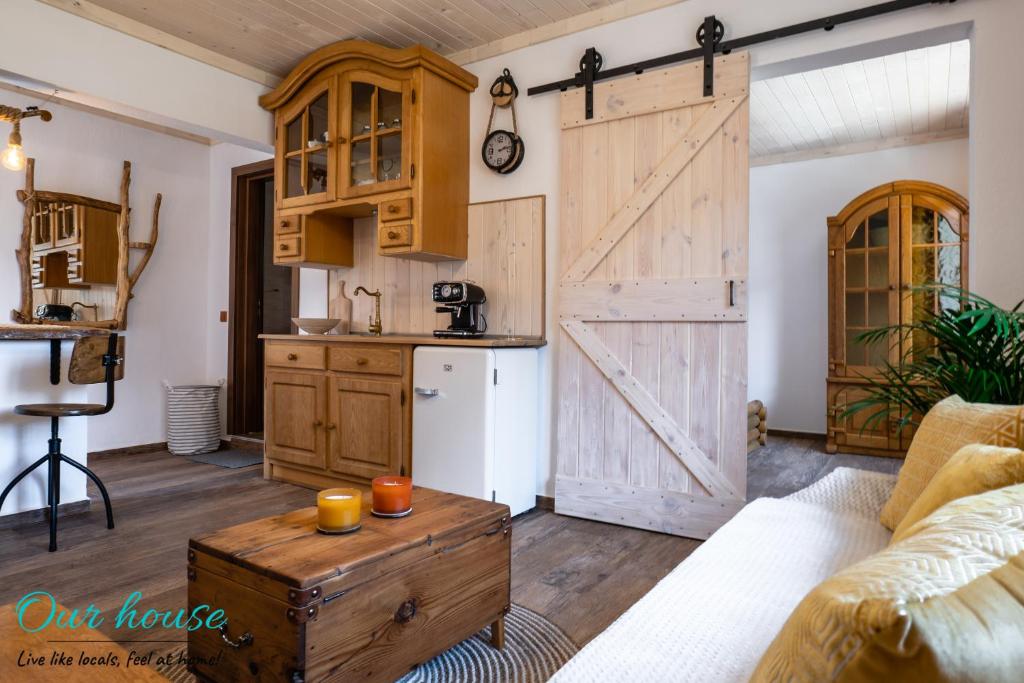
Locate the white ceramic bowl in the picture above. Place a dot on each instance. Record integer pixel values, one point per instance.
(316, 325)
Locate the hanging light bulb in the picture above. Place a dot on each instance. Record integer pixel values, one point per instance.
(13, 157)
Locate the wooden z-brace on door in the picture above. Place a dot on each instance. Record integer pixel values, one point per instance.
(652, 360)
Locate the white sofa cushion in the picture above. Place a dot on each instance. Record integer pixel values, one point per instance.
(715, 614)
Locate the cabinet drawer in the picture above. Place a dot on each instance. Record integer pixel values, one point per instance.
(386, 361)
(287, 224)
(285, 247)
(308, 356)
(395, 210)
(395, 235)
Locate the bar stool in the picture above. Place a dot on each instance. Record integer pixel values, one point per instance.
(93, 360)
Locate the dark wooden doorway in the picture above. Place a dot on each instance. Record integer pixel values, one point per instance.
(263, 297)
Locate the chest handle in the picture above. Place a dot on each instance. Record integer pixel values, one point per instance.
(243, 640)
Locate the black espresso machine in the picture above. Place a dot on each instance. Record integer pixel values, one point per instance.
(464, 301)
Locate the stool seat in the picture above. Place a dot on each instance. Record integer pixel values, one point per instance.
(60, 409)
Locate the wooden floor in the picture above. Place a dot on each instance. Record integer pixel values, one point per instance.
(579, 574)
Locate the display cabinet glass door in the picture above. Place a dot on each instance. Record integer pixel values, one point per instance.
(306, 151)
(868, 269)
(935, 251)
(376, 156)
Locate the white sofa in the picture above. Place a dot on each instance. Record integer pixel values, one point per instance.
(715, 614)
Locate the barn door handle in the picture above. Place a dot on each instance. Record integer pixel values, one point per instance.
(243, 640)
(732, 293)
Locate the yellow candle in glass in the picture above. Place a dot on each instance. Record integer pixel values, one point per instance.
(338, 509)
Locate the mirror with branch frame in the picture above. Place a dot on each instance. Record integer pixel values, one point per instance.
(75, 255)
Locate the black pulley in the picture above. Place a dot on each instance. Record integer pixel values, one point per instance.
(717, 38)
(598, 62)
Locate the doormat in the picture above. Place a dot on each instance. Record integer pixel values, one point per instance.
(230, 457)
(534, 650)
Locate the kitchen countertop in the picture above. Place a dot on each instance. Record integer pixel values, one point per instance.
(18, 332)
(414, 339)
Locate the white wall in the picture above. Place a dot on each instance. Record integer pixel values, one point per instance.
(788, 265)
(166, 338)
(101, 67)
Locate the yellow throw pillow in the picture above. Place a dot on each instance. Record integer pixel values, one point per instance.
(974, 469)
(949, 426)
(945, 604)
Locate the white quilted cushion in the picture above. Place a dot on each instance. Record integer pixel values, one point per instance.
(713, 617)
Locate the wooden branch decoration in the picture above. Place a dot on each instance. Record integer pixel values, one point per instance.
(124, 286)
(24, 250)
(146, 246)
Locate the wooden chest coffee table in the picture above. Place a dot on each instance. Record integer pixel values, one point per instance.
(367, 606)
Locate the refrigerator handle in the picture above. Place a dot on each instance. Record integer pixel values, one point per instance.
(420, 391)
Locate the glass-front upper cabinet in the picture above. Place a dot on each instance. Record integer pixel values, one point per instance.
(936, 253)
(376, 154)
(306, 149)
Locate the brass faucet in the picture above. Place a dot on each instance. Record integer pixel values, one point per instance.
(375, 326)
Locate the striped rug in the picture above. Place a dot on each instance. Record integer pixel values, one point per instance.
(534, 650)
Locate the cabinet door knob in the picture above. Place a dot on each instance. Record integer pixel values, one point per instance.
(361, 361)
(283, 247)
(317, 423)
(284, 223)
(392, 208)
(292, 356)
(392, 235)
(332, 426)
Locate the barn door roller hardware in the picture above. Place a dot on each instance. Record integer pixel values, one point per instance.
(591, 70)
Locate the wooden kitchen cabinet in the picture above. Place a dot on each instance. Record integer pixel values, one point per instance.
(336, 412)
(295, 403)
(364, 130)
(364, 438)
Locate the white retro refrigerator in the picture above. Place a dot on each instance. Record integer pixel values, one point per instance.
(474, 422)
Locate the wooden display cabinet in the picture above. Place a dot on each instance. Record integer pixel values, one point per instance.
(882, 245)
(365, 130)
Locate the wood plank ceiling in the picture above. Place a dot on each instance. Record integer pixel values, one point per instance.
(273, 35)
(905, 98)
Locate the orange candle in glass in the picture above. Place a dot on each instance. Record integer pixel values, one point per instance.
(392, 495)
(338, 510)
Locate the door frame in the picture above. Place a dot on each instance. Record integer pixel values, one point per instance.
(244, 259)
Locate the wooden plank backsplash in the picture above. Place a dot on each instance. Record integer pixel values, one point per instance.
(506, 258)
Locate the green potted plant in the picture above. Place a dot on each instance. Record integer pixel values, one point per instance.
(976, 352)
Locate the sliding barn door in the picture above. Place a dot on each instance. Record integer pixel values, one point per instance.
(652, 361)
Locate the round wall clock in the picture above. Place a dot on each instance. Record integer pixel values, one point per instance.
(503, 151)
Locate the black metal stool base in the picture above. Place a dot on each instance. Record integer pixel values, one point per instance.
(53, 459)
